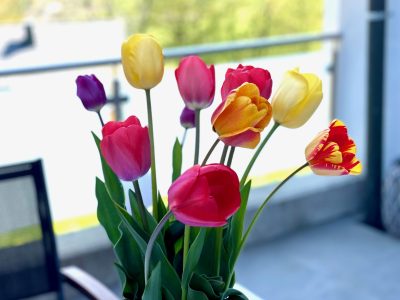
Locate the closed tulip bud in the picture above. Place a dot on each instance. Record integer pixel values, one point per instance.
(332, 152)
(205, 196)
(126, 148)
(296, 99)
(196, 82)
(142, 61)
(239, 120)
(187, 118)
(91, 92)
(236, 77)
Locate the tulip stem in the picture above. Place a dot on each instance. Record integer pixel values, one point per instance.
(219, 230)
(218, 249)
(223, 156)
(184, 137)
(260, 209)
(101, 119)
(153, 156)
(197, 145)
(230, 157)
(186, 240)
(258, 212)
(142, 208)
(151, 242)
(186, 237)
(210, 151)
(257, 153)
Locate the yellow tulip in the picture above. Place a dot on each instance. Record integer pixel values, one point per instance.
(142, 61)
(296, 99)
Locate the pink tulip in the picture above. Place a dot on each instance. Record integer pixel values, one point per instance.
(196, 82)
(205, 196)
(126, 148)
(236, 77)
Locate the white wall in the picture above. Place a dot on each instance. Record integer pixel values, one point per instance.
(391, 145)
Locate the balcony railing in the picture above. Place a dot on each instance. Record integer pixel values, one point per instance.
(176, 52)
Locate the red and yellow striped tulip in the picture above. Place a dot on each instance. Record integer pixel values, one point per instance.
(242, 116)
(333, 152)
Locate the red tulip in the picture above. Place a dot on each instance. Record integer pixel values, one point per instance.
(126, 148)
(236, 77)
(196, 82)
(333, 152)
(205, 196)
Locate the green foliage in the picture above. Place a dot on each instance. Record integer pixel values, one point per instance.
(193, 257)
(113, 185)
(187, 22)
(176, 160)
(235, 232)
(153, 287)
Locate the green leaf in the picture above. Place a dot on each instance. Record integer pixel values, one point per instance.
(235, 232)
(153, 286)
(169, 277)
(129, 287)
(176, 160)
(135, 210)
(193, 257)
(162, 210)
(196, 295)
(207, 285)
(107, 214)
(113, 184)
(208, 258)
(130, 256)
(134, 205)
(167, 294)
(232, 294)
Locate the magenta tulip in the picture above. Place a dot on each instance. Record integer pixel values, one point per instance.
(187, 118)
(236, 77)
(91, 92)
(126, 148)
(196, 82)
(205, 196)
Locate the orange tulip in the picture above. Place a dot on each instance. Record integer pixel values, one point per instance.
(333, 153)
(242, 116)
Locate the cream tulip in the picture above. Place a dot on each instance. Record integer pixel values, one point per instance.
(296, 99)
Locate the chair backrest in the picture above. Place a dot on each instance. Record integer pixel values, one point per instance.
(28, 258)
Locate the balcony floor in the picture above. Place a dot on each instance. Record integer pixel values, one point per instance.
(344, 260)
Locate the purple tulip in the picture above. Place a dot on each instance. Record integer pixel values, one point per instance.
(91, 92)
(187, 118)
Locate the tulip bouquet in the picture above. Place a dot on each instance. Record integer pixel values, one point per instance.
(186, 247)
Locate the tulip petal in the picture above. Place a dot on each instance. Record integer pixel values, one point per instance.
(332, 152)
(196, 82)
(205, 195)
(247, 139)
(116, 151)
(112, 126)
(126, 148)
(245, 114)
(316, 145)
(328, 169)
(142, 61)
(292, 90)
